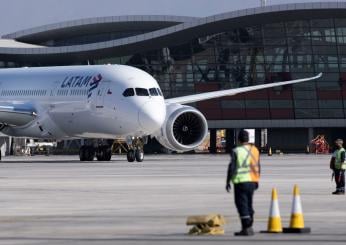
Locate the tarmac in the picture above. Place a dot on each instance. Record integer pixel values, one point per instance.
(59, 200)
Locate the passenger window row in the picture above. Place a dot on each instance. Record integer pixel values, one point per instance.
(79, 92)
(27, 92)
(62, 92)
(142, 92)
(73, 92)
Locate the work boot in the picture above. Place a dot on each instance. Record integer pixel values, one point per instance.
(338, 192)
(246, 229)
(245, 232)
(251, 221)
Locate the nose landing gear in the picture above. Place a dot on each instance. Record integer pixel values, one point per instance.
(135, 152)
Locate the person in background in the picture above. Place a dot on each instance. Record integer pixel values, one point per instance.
(338, 165)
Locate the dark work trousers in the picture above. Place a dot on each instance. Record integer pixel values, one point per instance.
(243, 196)
(340, 179)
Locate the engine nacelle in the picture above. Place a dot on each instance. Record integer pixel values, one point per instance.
(184, 128)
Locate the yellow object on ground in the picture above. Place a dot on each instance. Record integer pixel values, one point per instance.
(211, 224)
(210, 219)
(206, 230)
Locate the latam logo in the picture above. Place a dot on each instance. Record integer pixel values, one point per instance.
(82, 82)
(94, 84)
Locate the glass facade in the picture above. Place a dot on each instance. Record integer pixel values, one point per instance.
(254, 55)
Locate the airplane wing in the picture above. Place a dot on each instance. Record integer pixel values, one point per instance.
(229, 92)
(16, 114)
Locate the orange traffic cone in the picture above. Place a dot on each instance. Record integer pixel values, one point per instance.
(274, 221)
(297, 219)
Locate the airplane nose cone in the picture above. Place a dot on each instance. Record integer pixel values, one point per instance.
(152, 115)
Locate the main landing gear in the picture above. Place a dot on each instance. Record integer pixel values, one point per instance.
(102, 152)
(135, 152)
(86, 153)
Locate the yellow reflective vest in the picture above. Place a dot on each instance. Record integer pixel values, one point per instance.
(338, 163)
(247, 164)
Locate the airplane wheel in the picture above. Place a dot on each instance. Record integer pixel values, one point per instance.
(82, 155)
(86, 153)
(131, 156)
(100, 154)
(104, 153)
(139, 155)
(108, 154)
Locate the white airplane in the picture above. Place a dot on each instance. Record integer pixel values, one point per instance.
(103, 102)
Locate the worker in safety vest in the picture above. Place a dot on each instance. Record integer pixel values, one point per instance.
(244, 172)
(338, 165)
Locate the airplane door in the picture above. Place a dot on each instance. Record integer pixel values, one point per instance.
(100, 94)
(54, 89)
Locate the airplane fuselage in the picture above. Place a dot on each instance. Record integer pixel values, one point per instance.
(83, 101)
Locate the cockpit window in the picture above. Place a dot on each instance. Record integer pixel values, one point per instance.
(159, 91)
(153, 92)
(142, 92)
(128, 92)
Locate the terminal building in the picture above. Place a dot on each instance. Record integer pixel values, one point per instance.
(189, 55)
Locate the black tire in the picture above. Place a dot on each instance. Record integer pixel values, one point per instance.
(82, 155)
(104, 153)
(108, 153)
(100, 154)
(90, 153)
(131, 156)
(139, 155)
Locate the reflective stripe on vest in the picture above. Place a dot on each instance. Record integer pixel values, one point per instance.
(247, 165)
(338, 163)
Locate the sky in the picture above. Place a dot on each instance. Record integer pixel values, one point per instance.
(17, 15)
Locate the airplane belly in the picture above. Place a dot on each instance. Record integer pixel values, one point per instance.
(89, 124)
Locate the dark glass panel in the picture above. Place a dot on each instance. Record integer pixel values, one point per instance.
(128, 92)
(256, 103)
(142, 92)
(321, 23)
(306, 104)
(306, 113)
(331, 113)
(153, 92)
(298, 28)
(281, 104)
(330, 104)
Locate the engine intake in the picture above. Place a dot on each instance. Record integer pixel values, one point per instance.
(184, 129)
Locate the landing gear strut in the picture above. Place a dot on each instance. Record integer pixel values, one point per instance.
(135, 152)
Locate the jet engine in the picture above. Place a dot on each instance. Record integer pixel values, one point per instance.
(184, 128)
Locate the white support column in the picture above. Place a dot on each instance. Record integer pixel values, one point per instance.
(310, 134)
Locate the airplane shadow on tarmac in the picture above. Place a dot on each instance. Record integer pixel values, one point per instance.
(61, 161)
